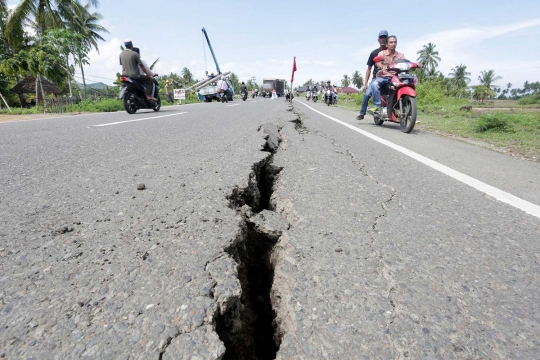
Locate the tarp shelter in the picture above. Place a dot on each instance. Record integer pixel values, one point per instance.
(28, 86)
(348, 90)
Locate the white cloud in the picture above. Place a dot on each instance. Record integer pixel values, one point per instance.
(465, 46)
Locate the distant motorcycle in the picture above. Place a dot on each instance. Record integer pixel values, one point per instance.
(133, 93)
(329, 97)
(308, 95)
(244, 96)
(315, 96)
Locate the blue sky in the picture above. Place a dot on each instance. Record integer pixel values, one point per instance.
(329, 39)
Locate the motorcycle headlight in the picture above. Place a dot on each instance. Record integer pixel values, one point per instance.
(404, 66)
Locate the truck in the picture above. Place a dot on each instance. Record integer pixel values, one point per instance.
(273, 84)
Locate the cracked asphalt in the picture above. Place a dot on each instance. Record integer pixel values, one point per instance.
(380, 256)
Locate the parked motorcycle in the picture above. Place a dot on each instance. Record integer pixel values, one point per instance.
(398, 102)
(308, 95)
(133, 93)
(244, 96)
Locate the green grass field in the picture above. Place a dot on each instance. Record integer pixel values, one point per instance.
(507, 125)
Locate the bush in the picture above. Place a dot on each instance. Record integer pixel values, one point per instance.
(499, 122)
(104, 105)
(530, 100)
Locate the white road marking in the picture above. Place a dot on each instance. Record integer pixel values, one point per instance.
(507, 198)
(128, 121)
(233, 105)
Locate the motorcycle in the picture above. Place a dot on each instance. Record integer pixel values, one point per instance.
(398, 102)
(133, 93)
(244, 96)
(329, 97)
(315, 96)
(223, 97)
(308, 95)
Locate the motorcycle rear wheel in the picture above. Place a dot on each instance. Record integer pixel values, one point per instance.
(406, 123)
(129, 104)
(158, 105)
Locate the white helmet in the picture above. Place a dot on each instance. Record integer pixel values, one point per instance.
(223, 78)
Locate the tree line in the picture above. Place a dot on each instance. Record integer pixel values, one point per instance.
(47, 38)
(457, 81)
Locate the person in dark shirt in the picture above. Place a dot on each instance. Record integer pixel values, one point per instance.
(383, 37)
(243, 88)
(130, 61)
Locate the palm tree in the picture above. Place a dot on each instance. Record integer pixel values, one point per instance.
(85, 23)
(345, 81)
(357, 79)
(459, 76)
(488, 77)
(41, 15)
(187, 75)
(429, 56)
(3, 6)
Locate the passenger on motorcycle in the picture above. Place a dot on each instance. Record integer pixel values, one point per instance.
(144, 69)
(223, 87)
(331, 88)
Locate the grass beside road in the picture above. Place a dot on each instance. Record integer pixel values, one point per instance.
(505, 124)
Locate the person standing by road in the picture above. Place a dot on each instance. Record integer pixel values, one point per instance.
(168, 91)
(383, 37)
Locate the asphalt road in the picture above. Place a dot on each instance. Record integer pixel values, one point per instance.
(370, 252)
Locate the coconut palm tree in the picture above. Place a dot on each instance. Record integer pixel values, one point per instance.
(85, 23)
(429, 56)
(459, 77)
(488, 77)
(187, 75)
(357, 79)
(40, 15)
(345, 81)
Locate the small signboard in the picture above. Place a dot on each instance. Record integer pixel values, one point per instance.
(179, 94)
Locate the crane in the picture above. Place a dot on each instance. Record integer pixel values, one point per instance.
(211, 50)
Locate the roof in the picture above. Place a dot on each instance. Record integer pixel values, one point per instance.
(28, 86)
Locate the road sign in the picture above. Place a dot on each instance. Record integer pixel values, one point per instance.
(180, 94)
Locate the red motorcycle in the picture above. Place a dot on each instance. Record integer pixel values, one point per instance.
(398, 101)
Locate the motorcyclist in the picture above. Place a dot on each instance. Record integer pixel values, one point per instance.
(130, 61)
(314, 91)
(243, 88)
(331, 88)
(308, 89)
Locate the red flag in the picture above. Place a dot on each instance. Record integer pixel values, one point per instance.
(293, 70)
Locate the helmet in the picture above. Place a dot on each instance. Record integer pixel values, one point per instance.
(243, 83)
(222, 78)
(167, 81)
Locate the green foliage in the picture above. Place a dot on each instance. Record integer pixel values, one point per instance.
(431, 93)
(499, 122)
(483, 92)
(357, 79)
(530, 100)
(105, 105)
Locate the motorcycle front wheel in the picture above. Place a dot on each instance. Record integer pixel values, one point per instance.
(129, 103)
(408, 119)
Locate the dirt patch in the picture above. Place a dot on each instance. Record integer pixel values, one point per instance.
(30, 117)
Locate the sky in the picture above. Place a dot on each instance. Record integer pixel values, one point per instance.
(329, 39)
